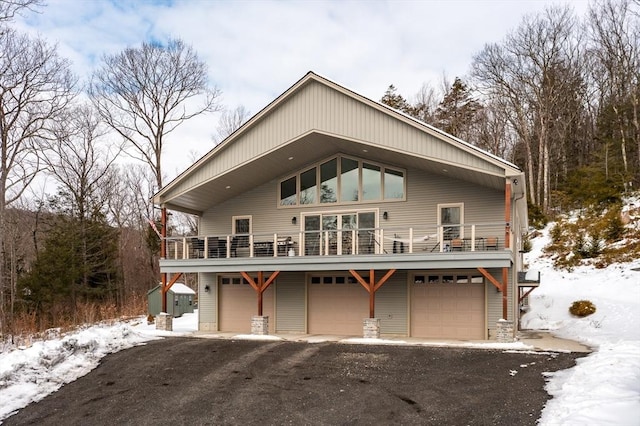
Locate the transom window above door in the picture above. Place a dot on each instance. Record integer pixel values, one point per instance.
(343, 180)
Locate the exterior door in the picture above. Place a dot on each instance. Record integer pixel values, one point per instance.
(339, 233)
(450, 217)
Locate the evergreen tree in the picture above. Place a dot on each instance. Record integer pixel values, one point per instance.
(395, 100)
(78, 263)
(458, 111)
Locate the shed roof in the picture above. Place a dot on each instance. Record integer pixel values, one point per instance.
(176, 288)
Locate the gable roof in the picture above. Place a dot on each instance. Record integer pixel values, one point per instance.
(317, 118)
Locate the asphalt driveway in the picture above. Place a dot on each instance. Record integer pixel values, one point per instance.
(199, 381)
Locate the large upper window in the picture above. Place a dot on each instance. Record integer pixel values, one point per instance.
(308, 187)
(329, 181)
(349, 178)
(343, 180)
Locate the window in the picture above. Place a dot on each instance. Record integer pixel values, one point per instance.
(371, 182)
(329, 181)
(308, 188)
(393, 184)
(451, 216)
(288, 192)
(242, 226)
(335, 279)
(345, 180)
(461, 279)
(349, 178)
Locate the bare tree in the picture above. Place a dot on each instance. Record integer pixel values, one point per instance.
(493, 132)
(532, 72)
(36, 86)
(80, 159)
(230, 121)
(615, 36)
(425, 103)
(145, 93)
(10, 8)
(130, 210)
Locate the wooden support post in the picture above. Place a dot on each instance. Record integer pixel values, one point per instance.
(163, 254)
(500, 286)
(522, 296)
(372, 286)
(260, 283)
(372, 294)
(260, 286)
(505, 282)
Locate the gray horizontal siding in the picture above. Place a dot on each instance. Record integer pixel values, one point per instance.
(392, 305)
(322, 108)
(424, 192)
(291, 303)
(494, 300)
(207, 302)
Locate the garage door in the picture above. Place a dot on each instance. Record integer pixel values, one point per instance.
(336, 305)
(448, 310)
(238, 302)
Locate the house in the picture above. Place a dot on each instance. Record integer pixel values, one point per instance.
(330, 213)
(180, 300)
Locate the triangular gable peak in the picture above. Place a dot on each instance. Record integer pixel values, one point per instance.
(316, 118)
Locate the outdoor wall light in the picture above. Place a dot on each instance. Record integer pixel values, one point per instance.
(294, 220)
(515, 181)
(385, 215)
(207, 288)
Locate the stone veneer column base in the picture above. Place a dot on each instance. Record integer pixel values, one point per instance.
(259, 325)
(504, 331)
(164, 322)
(371, 328)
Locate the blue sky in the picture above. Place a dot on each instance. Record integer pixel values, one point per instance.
(255, 50)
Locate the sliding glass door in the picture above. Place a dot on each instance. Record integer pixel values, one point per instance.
(339, 233)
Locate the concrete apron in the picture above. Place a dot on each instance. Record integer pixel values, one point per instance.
(538, 340)
(545, 341)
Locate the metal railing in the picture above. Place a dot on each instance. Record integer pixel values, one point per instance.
(340, 242)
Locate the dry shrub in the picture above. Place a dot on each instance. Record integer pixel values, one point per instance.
(134, 306)
(27, 322)
(582, 308)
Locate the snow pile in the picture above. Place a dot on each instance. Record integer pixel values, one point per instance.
(604, 387)
(30, 374)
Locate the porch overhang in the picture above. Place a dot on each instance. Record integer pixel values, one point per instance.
(413, 261)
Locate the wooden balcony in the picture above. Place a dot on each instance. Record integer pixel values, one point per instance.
(439, 239)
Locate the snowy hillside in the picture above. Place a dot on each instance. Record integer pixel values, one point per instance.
(604, 388)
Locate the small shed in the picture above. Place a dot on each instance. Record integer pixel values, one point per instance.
(180, 300)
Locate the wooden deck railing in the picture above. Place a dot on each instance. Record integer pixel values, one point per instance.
(340, 242)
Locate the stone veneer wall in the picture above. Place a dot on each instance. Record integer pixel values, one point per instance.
(260, 325)
(371, 328)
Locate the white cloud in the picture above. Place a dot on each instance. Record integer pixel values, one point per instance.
(257, 49)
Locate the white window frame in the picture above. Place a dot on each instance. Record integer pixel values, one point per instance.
(375, 211)
(448, 205)
(361, 161)
(233, 223)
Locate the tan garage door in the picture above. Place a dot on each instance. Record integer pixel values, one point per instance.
(238, 302)
(336, 306)
(448, 311)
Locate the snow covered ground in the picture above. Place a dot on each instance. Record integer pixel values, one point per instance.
(602, 389)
